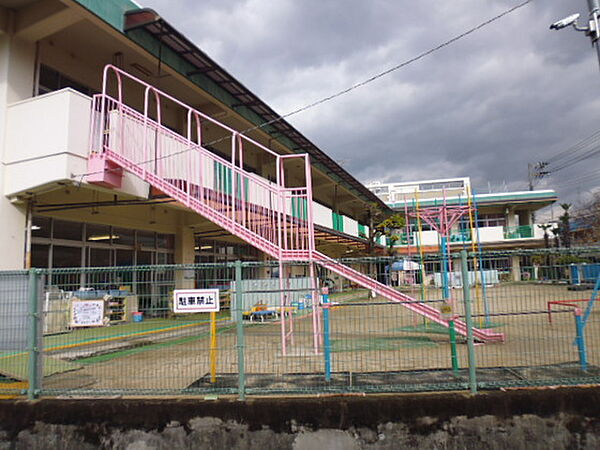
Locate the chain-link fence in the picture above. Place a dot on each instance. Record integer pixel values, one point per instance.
(508, 319)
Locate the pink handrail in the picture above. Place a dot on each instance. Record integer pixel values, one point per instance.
(249, 202)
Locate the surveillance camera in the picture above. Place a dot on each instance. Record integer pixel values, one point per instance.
(563, 23)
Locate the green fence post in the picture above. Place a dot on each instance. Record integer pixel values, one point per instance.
(468, 321)
(453, 351)
(34, 341)
(239, 324)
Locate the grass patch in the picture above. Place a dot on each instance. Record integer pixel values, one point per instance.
(381, 343)
(16, 366)
(435, 328)
(90, 335)
(428, 328)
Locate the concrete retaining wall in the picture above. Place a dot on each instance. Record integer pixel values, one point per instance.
(544, 419)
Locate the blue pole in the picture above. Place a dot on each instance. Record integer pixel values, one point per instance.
(326, 341)
(445, 288)
(580, 340)
(590, 304)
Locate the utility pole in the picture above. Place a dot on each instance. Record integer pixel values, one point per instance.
(535, 172)
(592, 30)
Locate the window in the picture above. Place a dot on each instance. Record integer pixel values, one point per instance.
(99, 257)
(60, 243)
(146, 239)
(124, 257)
(39, 255)
(71, 231)
(98, 233)
(379, 190)
(491, 220)
(123, 236)
(441, 185)
(165, 241)
(66, 256)
(52, 80)
(41, 227)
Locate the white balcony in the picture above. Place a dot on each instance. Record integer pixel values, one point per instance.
(46, 140)
(487, 235)
(47, 143)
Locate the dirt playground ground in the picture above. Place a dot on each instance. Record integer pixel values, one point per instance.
(367, 336)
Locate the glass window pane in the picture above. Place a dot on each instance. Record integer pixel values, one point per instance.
(63, 229)
(97, 233)
(40, 227)
(165, 241)
(124, 257)
(49, 79)
(144, 258)
(123, 236)
(145, 239)
(39, 255)
(66, 256)
(99, 257)
(164, 258)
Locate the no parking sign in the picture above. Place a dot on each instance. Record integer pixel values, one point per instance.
(195, 300)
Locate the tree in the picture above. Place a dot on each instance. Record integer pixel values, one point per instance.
(546, 227)
(585, 224)
(565, 225)
(556, 232)
(391, 228)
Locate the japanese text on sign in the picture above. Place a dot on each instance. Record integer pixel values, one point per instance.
(195, 300)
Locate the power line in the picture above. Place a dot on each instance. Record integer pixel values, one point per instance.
(587, 148)
(352, 87)
(574, 148)
(579, 180)
(398, 66)
(587, 155)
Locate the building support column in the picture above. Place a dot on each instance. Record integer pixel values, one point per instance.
(515, 264)
(185, 254)
(17, 63)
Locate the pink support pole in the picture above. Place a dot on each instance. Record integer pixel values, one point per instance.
(282, 309)
(315, 307)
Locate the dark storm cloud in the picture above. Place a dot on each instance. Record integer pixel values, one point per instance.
(510, 94)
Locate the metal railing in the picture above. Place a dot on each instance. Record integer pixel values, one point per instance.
(52, 344)
(519, 232)
(274, 216)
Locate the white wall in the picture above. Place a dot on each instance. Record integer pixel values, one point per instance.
(490, 234)
(322, 215)
(429, 237)
(350, 226)
(57, 149)
(46, 140)
(16, 83)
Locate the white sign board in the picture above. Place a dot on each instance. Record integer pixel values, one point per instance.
(195, 300)
(87, 313)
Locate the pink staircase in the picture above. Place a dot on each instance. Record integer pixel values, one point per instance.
(408, 302)
(273, 216)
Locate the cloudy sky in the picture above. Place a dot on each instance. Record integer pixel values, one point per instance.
(512, 93)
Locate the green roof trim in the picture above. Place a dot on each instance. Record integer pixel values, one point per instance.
(113, 11)
(487, 199)
(173, 60)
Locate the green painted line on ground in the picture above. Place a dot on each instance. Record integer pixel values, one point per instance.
(132, 351)
(58, 341)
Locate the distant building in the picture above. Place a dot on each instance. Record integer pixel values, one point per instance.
(504, 220)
